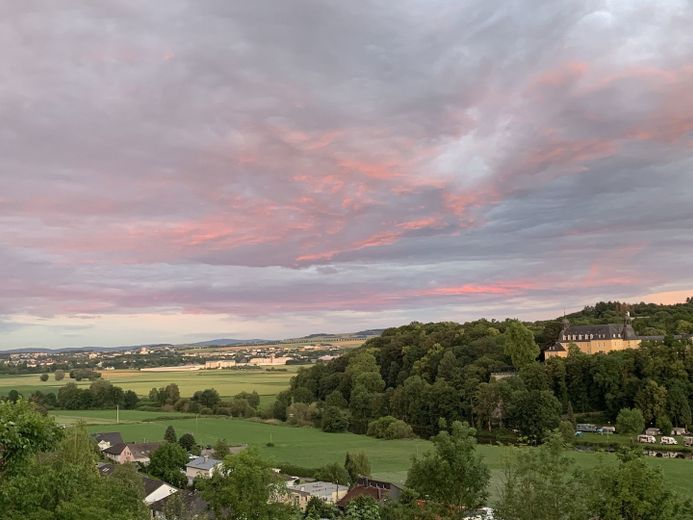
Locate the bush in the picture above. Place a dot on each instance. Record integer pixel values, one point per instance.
(389, 427)
(44, 377)
(205, 411)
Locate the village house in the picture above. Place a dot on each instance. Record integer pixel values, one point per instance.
(154, 489)
(201, 467)
(592, 339)
(131, 452)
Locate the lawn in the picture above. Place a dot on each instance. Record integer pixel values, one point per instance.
(227, 382)
(310, 447)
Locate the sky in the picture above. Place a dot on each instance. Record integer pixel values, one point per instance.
(181, 170)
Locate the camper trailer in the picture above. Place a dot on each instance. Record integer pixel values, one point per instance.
(647, 439)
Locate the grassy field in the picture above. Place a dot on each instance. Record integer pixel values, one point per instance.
(227, 382)
(310, 447)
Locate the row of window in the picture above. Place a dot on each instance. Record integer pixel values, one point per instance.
(581, 337)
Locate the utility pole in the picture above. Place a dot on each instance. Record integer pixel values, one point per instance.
(117, 414)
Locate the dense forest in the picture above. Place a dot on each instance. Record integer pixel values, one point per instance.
(420, 376)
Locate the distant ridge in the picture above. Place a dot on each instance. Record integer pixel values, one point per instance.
(221, 342)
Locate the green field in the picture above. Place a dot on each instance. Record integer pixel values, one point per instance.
(312, 448)
(227, 382)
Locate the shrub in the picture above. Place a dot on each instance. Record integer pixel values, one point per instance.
(44, 377)
(664, 424)
(389, 427)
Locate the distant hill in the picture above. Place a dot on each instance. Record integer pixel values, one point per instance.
(221, 342)
(226, 342)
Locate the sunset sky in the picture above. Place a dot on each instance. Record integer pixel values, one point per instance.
(181, 170)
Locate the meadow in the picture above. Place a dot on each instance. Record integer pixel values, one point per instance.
(310, 447)
(227, 382)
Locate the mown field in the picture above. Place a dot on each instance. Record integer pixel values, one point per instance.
(227, 382)
(310, 447)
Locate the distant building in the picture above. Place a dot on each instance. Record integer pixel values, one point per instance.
(211, 365)
(592, 339)
(201, 467)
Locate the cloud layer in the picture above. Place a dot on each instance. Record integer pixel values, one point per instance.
(178, 168)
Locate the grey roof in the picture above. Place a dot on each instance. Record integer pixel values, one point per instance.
(556, 347)
(116, 449)
(606, 331)
(111, 437)
(151, 485)
(143, 449)
(194, 504)
(205, 463)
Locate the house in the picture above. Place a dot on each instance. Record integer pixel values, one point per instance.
(591, 339)
(155, 490)
(201, 467)
(378, 490)
(107, 439)
(301, 493)
(193, 504)
(131, 452)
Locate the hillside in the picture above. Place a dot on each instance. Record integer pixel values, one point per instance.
(422, 373)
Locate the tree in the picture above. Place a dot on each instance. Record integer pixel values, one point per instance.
(632, 490)
(63, 484)
(44, 377)
(334, 420)
(253, 398)
(542, 484)
(167, 463)
(245, 489)
(130, 400)
(170, 434)
(630, 420)
(221, 449)
(333, 473)
(318, 508)
(452, 475)
(23, 432)
(187, 441)
(651, 399)
(13, 396)
(357, 465)
(59, 375)
(520, 344)
(535, 413)
(209, 397)
(362, 508)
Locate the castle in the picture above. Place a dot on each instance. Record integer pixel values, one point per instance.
(591, 339)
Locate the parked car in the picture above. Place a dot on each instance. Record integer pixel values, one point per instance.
(647, 439)
(668, 440)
